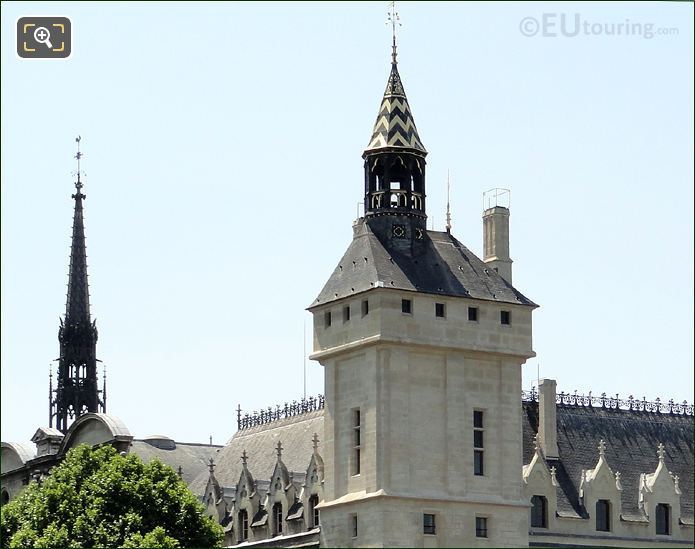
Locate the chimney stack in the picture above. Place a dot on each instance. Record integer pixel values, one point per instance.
(547, 419)
(496, 241)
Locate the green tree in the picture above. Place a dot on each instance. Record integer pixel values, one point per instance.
(98, 498)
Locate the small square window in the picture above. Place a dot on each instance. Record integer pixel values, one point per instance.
(327, 319)
(346, 313)
(428, 524)
(439, 310)
(478, 463)
(480, 527)
(505, 317)
(478, 419)
(365, 307)
(473, 314)
(407, 306)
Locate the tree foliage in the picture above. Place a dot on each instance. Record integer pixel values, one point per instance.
(98, 498)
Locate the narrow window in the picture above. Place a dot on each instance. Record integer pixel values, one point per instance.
(5, 497)
(243, 525)
(314, 512)
(428, 524)
(478, 453)
(539, 512)
(353, 520)
(277, 518)
(603, 515)
(365, 307)
(506, 317)
(480, 527)
(439, 310)
(346, 313)
(473, 314)
(356, 441)
(406, 306)
(663, 519)
(327, 319)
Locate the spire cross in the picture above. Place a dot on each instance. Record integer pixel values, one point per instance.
(601, 448)
(211, 465)
(395, 20)
(315, 441)
(244, 458)
(660, 452)
(278, 449)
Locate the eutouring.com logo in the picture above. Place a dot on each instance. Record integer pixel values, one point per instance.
(569, 25)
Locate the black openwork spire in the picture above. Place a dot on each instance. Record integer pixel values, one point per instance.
(394, 160)
(77, 392)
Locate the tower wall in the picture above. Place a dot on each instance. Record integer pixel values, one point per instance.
(416, 379)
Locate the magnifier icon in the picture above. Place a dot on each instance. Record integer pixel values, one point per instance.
(43, 36)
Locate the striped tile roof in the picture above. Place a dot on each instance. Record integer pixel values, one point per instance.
(394, 126)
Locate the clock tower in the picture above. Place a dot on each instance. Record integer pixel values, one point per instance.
(422, 344)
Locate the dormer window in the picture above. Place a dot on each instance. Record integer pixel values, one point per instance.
(663, 519)
(603, 515)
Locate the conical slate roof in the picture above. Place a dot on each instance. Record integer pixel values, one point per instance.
(395, 126)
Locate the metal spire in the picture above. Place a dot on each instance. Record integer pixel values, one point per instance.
(395, 20)
(448, 208)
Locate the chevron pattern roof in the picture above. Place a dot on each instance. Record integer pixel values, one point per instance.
(394, 125)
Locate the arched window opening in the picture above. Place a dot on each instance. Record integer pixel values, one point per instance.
(5, 497)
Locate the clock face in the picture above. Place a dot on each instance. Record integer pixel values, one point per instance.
(399, 231)
(418, 233)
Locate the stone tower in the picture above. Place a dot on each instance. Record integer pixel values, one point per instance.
(422, 345)
(77, 392)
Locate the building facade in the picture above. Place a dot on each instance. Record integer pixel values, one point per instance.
(424, 437)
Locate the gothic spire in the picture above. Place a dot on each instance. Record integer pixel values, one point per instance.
(77, 392)
(77, 307)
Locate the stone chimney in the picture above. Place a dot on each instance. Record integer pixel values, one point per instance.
(496, 241)
(547, 420)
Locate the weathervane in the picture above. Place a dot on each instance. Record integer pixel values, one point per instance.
(395, 20)
(78, 156)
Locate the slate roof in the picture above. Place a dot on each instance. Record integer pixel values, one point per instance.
(395, 126)
(631, 439)
(192, 458)
(260, 442)
(444, 267)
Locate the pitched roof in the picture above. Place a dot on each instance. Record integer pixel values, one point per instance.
(443, 266)
(260, 443)
(192, 458)
(395, 126)
(631, 439)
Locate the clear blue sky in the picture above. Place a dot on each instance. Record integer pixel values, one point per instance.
(222, 149)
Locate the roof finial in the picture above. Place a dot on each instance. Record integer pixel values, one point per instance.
(278, 449)
(394, 19)
(660, 452)
(315, 441)
(78, 156)
(211, 465)
(448, 208)
(601, 448)
(244, 458)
